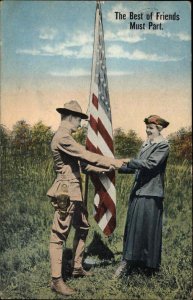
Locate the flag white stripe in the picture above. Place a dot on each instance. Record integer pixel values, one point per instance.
(105, 219)
(104, 147)
(95, 89)
(109, 186)
(92, 136)
(96, 199)
(94, 112)
(106, 122)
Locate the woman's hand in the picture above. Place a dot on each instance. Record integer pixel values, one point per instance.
(121, 162)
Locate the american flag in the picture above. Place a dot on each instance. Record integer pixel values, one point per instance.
(100, 133)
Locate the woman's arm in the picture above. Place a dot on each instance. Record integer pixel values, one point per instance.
(153, 161)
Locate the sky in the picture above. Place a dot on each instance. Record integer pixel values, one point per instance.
(46, 51)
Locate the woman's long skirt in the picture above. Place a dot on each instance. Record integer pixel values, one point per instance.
(143, 231)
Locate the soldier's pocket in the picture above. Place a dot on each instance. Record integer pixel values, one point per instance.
(74, 189)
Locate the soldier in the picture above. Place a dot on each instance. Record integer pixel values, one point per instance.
(66, 195)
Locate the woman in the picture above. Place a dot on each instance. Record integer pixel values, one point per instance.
(143, 230)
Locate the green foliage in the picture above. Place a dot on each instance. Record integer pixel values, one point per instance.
(41, 133)
(80, 135)
(37, 138)
(126, 144)
(178, 183)
(24, 138)
(181, 145)
(21, 135)
(41, 136)
(4, 135)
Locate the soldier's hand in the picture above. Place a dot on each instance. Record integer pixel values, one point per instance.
(126, 161)
(111, 168)
(121, 162)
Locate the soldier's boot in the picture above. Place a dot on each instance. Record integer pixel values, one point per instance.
(80, 272)
(59, 286)
(78, 252)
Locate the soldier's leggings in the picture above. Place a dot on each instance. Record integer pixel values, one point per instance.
(77, 216)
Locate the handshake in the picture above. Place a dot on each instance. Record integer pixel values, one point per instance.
(117, 164)
(114, 164)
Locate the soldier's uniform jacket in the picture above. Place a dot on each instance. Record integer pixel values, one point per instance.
(67, 154)
(149, 168)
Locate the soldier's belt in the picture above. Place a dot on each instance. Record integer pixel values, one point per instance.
(74, 175)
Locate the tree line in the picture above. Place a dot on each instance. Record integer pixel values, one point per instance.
(25, 138)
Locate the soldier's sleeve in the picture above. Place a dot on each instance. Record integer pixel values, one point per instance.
(87, 168)
(71, 147)
(153, 161)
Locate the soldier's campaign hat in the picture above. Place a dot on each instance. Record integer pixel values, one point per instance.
(72, 107)
(156, 120)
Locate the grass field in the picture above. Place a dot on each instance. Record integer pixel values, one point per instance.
(25, 221)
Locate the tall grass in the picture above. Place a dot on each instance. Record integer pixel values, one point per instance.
(25, 222)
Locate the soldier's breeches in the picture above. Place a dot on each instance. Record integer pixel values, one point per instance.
(77, 216)
(56, 250)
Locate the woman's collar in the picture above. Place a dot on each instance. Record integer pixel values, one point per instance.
(157, 140)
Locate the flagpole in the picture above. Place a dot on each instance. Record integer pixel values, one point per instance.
(86, 190)
(90, 95)
(94, 46)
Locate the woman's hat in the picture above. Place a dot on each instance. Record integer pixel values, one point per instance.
(156, 120)
(72, 107)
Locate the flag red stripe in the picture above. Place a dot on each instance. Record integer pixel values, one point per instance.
(103, 194)
(93, 124)
(99, 151)
(101, 189)
(110, 175)
(111, 223)
(90, 146)
(105, 135)
(95, 100)
(107, 202)
(100, 212)
(110, 226)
